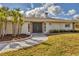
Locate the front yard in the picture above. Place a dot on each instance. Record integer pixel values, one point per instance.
(57, 45)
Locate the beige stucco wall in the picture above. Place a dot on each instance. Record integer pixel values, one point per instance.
(49, 26)
(58, 26)
(25, 28)
(9, 28)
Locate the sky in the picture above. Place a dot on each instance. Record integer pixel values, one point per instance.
(23, 6)
(58, 10)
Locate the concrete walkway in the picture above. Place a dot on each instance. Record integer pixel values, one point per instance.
(36, 39)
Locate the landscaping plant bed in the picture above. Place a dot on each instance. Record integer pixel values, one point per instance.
(10, 37)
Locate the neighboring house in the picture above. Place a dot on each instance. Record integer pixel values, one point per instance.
(44, 25)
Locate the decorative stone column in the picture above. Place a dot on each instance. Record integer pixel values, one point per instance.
(30, 27)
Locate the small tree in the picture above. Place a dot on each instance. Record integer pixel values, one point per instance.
(13, 13)
(2, 21)
(20, 20)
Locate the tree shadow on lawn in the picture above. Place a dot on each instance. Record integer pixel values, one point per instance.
(47, 44)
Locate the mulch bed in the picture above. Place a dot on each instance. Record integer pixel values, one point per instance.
(10, 37)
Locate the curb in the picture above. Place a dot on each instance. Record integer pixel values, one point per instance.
(17, 40)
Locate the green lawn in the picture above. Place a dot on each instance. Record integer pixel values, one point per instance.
(57, 45)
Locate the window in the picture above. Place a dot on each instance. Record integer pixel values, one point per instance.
(67, 25)
(77, 26)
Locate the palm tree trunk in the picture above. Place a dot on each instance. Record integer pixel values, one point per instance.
(5, 27)
(2, 30)
(19, 28)
(14, 29)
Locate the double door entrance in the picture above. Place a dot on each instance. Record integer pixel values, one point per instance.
(37, 27)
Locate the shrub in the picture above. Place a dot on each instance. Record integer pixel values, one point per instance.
(53, 31)
(62, 31)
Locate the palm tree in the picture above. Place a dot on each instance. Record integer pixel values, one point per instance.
(2, 21)
(5, 12)
(1, 24)
(14, 21)
(3, 18)
(17, 20)
(20, 20)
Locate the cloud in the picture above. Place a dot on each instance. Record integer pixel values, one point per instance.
(71, 12)
(40, 11)
(76, 16)
(37, 12)
(55, 10)
(22, 12)
(46, 5)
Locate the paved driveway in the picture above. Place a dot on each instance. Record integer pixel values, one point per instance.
(36, 39)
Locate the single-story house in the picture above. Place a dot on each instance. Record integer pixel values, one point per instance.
(44, 25)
